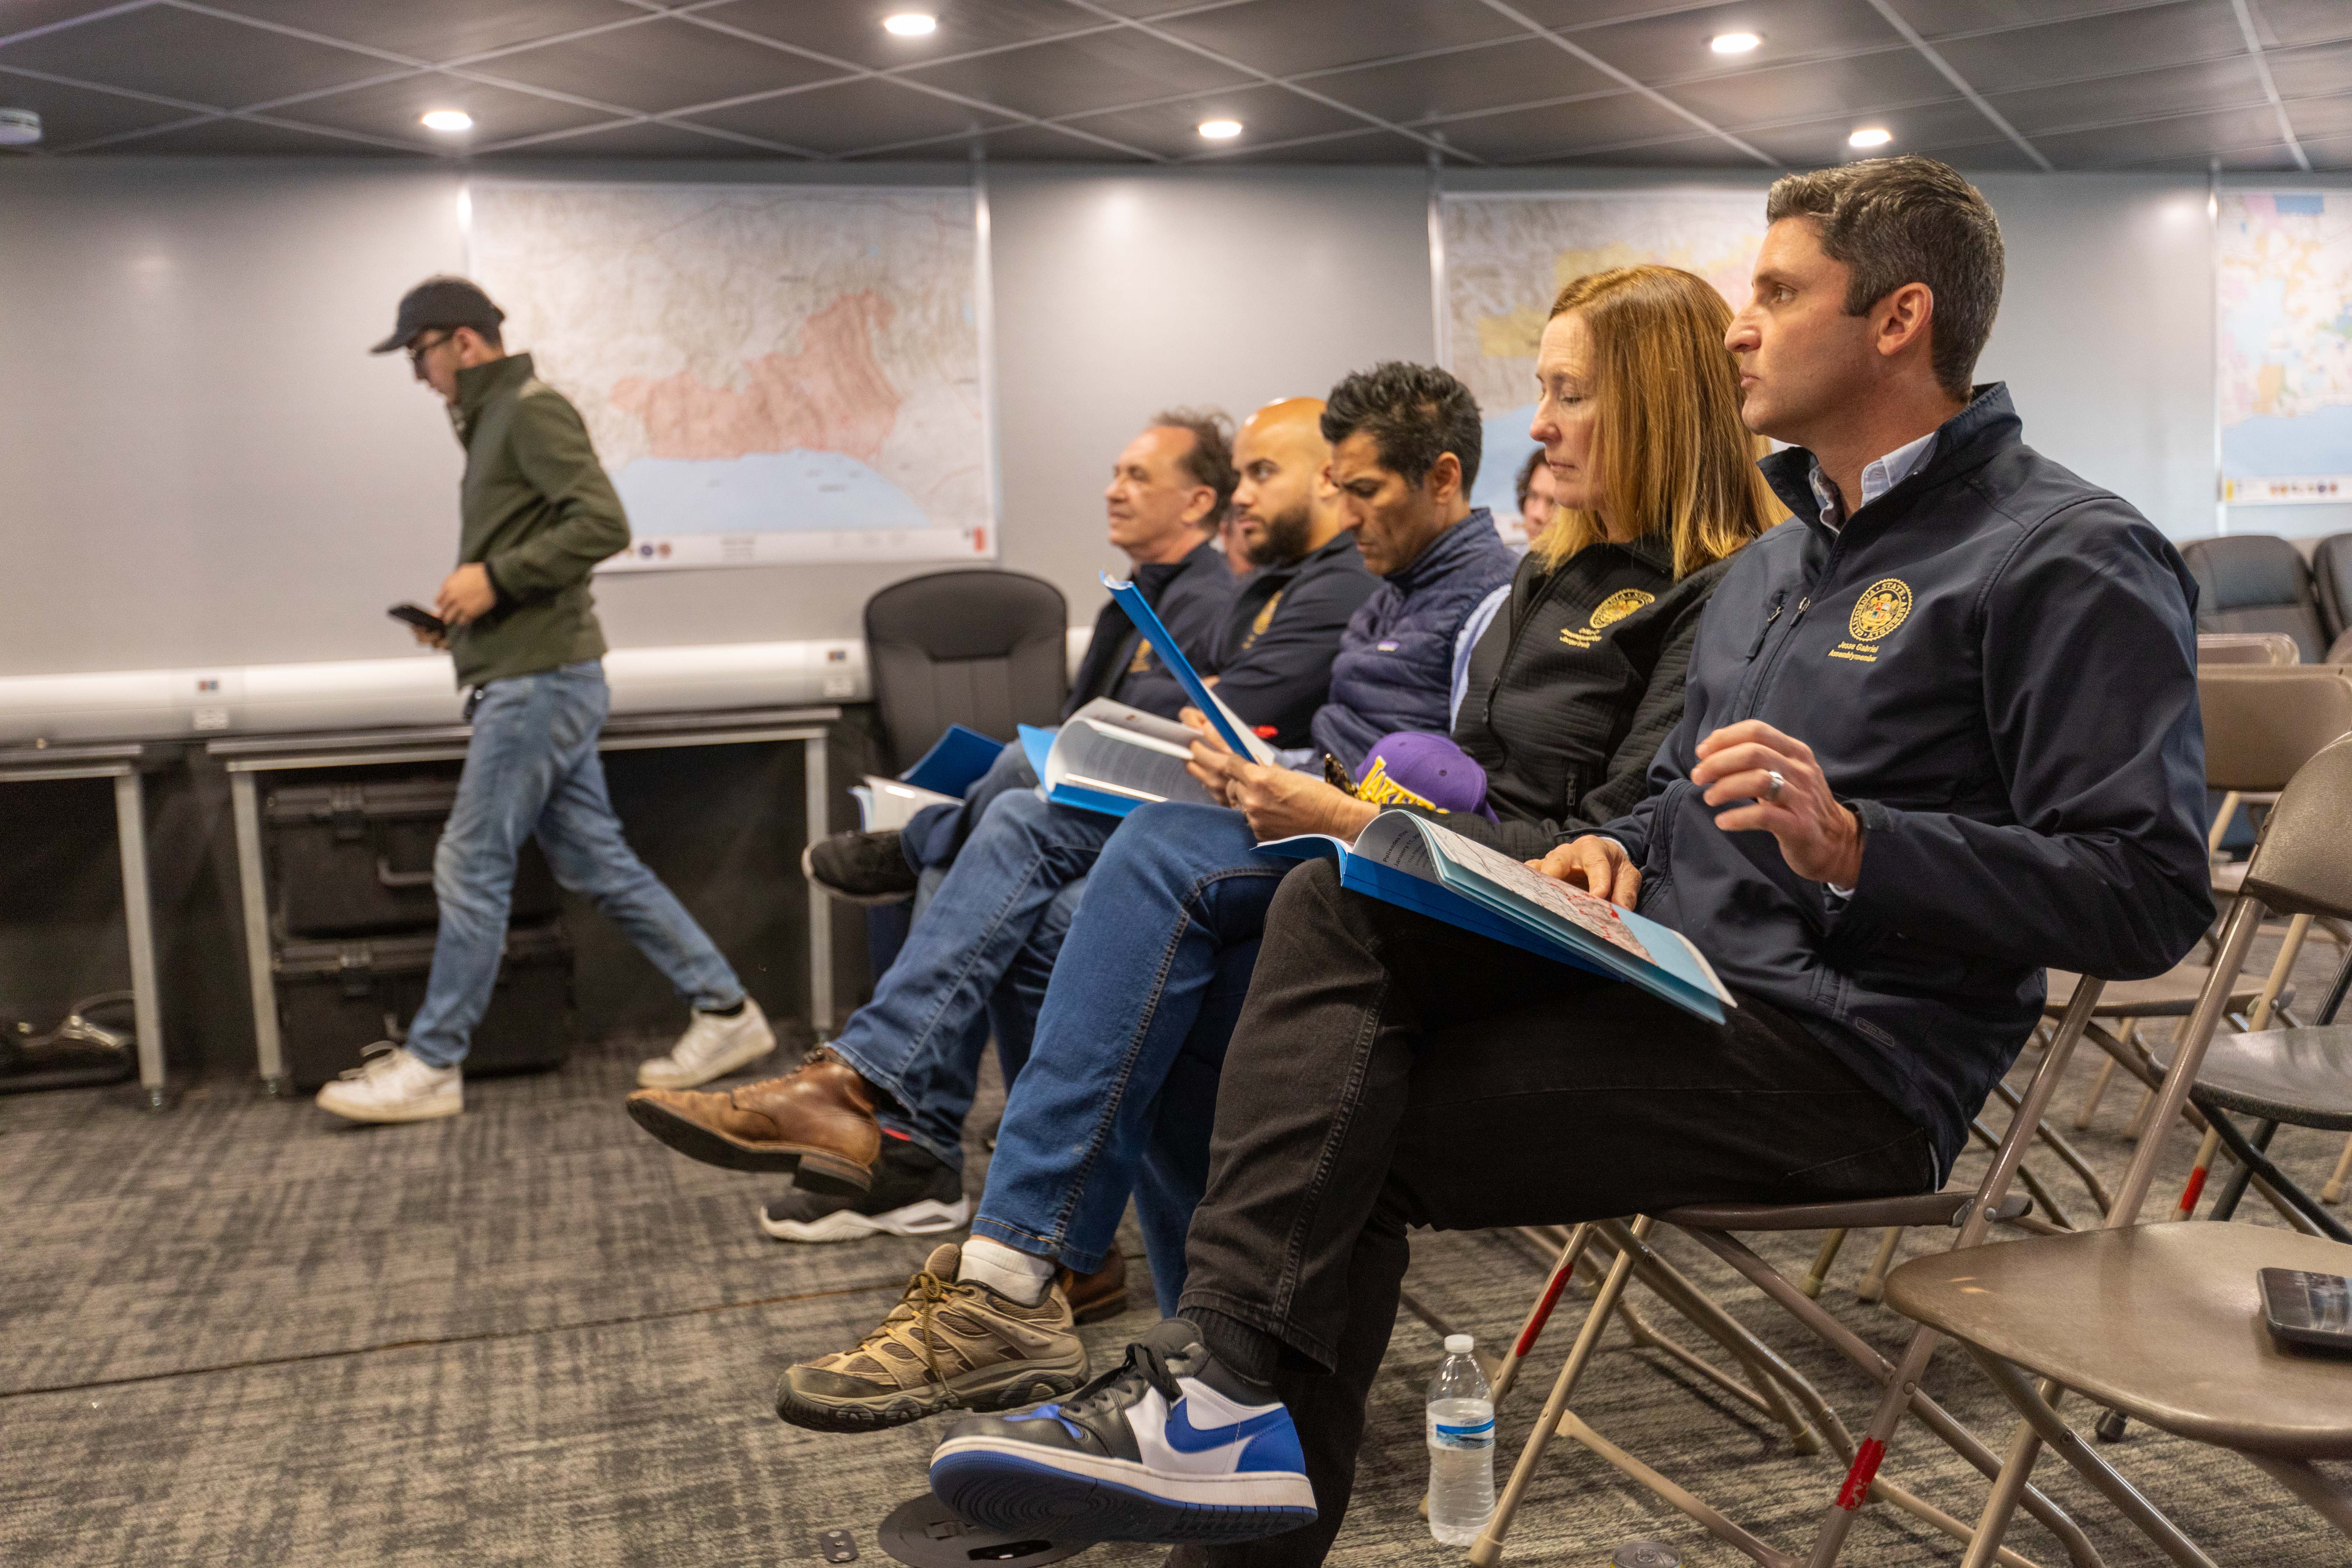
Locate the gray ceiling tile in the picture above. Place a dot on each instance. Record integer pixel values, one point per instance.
(1683, 153)
(395, 108)
(852, 29)
(436, 31)
(1568, 16)
(2313, 72)
(2001, 157)
(243, 139)
(1824, 89)
(850, 116)
(21, 17)
(1382, 147)
(2150, 140)
(1287, 36)
(2273, 158)
(180, 54)
(647, 139)
(2329, 153)
(1526, 70)
(70, 116)
(2143, 95)
(1102, 70)
(1030, 143)
(1172, 130)
(1929, 127)
(1941, 19)
(2291, 22)
(1674, 48)
(2320, 117)
(2098, 46)
(1565, 128)
(663, 65)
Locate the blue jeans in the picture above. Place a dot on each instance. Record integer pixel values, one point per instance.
(985, 943)
(1120, 1086)
(532, 768)
(936, 834)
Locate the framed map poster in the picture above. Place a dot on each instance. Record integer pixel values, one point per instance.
(1504, 256)
(2282, 268)
(770, 374)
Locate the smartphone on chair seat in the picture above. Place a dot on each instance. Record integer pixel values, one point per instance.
(2311, 1311)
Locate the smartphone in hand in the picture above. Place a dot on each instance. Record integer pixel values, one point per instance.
(424, 620)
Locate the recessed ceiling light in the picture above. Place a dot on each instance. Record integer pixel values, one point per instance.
(1221, 130)
(1733, 43)
(448, 120)
(1870, 136)
(911, 24)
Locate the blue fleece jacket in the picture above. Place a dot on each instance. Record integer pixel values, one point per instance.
(1395, 667)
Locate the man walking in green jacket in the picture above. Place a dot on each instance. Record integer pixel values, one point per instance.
(538, 513)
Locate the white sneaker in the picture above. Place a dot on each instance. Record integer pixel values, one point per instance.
(394, 1086)
(712, 1046)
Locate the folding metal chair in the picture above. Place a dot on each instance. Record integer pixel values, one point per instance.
(2162, 1322)
(1714, 1227)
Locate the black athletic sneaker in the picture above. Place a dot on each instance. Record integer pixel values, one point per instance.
(914, 1194)
(1168, 1447)
(860, 868)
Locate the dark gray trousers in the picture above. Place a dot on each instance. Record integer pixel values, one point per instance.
(1391, 1071)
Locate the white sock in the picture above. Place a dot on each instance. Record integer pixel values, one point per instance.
(1009, 1272)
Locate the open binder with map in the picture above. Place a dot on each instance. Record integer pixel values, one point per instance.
(1408, 860)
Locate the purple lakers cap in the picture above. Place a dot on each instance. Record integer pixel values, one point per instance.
(1410, 768)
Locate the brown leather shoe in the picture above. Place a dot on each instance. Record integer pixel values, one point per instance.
(1097, 1296)
(817, 1120)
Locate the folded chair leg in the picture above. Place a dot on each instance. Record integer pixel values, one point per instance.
(1823, 1260)
(1532, 1330)
(2334, 1190)
(1874, 1284)
(2098, 1090)
(2306, 1481)
(1487, 1550)
(2044, 1424)
(2068, 1155)
(2234, 1189)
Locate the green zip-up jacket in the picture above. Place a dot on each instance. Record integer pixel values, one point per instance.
(537, 514)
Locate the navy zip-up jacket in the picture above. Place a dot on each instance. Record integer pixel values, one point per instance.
(1191, 597)
(1275, 653)
(1395, 668)
(1995, 665)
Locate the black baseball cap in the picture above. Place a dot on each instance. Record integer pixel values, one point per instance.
(444, 303)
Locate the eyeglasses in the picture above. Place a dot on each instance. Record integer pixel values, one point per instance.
(417, 352)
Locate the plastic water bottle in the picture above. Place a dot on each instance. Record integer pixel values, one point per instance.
(1461, 1447)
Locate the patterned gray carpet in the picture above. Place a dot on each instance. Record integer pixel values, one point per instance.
(240, 1333)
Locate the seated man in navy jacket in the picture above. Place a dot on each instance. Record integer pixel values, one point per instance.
(1940, 731)
(1168, 495)
(898, 1082)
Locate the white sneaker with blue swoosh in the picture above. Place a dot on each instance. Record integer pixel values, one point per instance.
(1169, 1447)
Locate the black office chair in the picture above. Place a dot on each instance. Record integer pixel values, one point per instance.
(987, 649)
(2331, 582)
(2256, 582)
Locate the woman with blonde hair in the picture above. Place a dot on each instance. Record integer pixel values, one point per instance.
(1567, 695)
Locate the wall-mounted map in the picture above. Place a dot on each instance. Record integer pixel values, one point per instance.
(1508, 256)
(770, 375)
(2284, 272)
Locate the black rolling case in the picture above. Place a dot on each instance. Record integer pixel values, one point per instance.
(352, 859)
(336, 997)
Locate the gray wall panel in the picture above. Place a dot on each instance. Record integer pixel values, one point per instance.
(198, 465)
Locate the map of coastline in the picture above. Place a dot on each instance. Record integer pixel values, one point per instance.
(1508, 256)
(2283, 271)
(768, 374)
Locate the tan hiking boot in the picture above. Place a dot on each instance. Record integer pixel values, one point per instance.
(817, 1120)
(945, 1346)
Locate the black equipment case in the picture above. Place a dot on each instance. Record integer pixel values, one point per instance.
(334, 999)
(353, 859)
